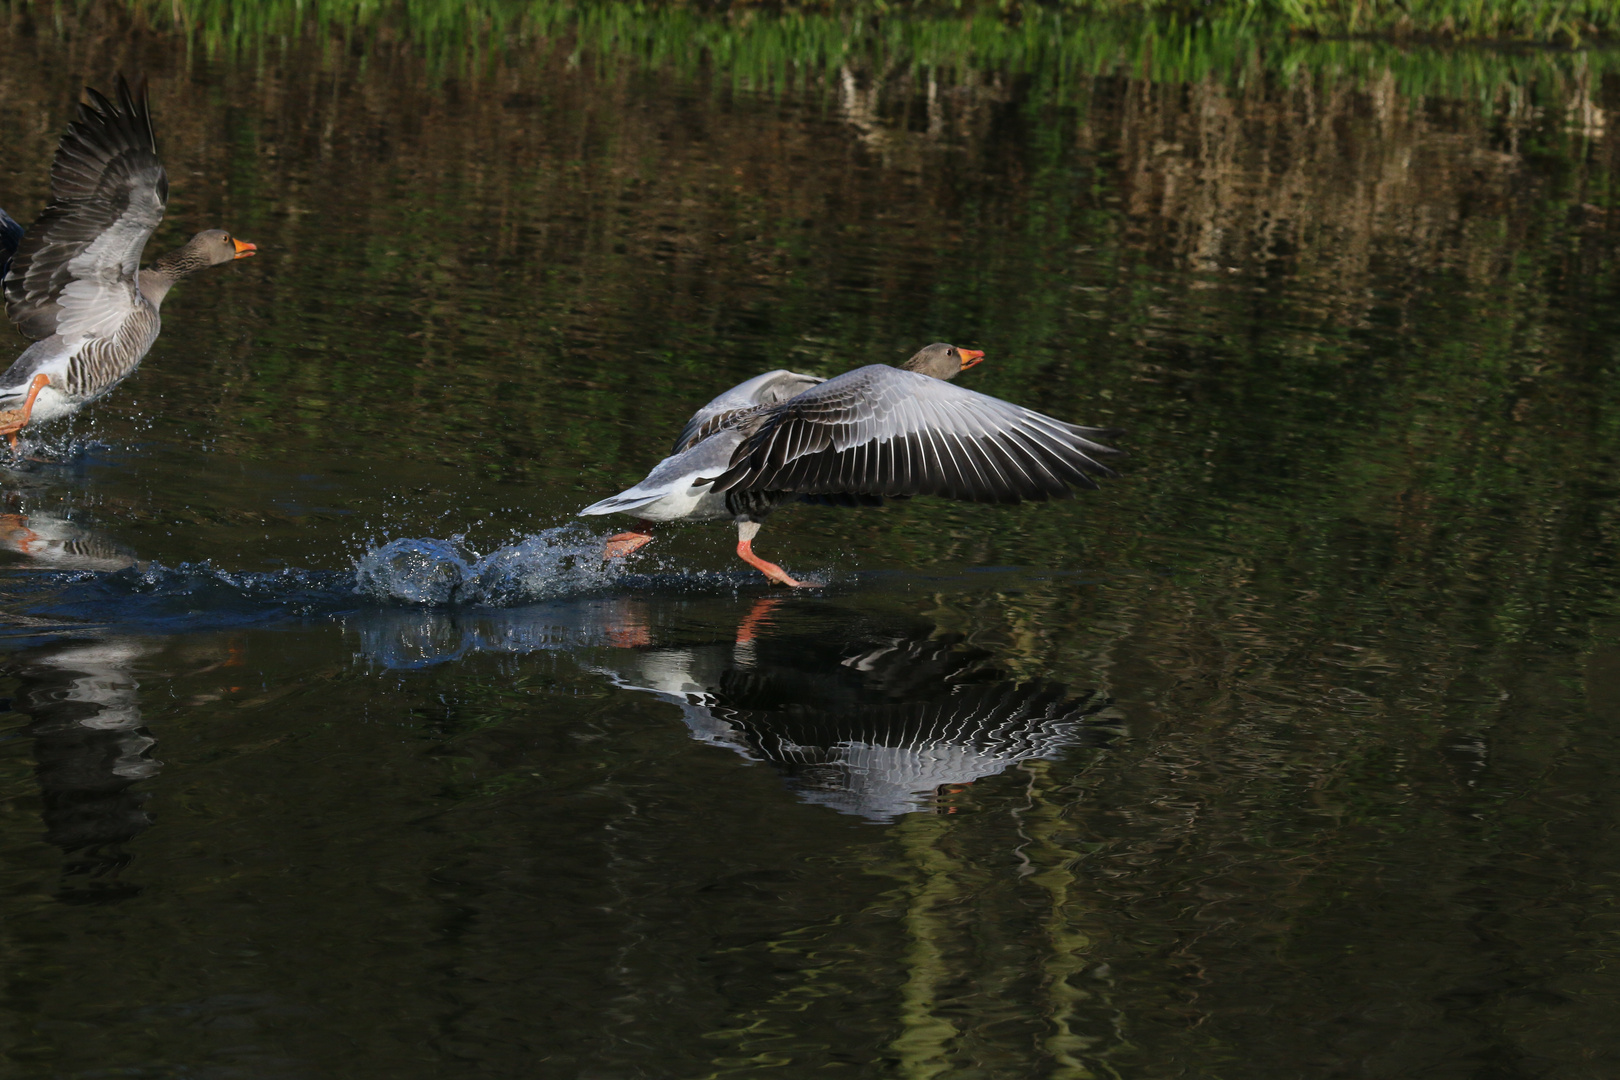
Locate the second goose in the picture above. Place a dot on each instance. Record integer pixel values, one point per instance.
(75, 284)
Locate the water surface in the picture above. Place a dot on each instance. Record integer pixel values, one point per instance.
(332, 751)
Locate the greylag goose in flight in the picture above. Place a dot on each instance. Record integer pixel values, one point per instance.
(873, 433)
(74, 285)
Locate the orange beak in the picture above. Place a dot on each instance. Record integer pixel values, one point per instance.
(970, 357)
(243, 248)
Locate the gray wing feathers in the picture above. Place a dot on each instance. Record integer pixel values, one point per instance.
(771, 388)
(75, 271)
(884, 431)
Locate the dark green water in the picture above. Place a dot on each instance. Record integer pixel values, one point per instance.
(1289, 754)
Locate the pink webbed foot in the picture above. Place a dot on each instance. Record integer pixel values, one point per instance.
(625, 543)
(777, 575)
(14, 420)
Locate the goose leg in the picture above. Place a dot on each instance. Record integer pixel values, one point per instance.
(746, 531)
(624, 543)
(14, 420)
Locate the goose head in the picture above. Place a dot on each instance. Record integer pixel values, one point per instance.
(218, 246)
(943, 361)
(208, 248)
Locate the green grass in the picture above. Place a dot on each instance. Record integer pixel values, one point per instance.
(1499, 20)
(1055, 46)
(852, 22)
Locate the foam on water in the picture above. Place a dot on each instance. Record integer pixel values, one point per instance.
(564, 561)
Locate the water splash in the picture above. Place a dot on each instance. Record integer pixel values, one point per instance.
(412, 571)
(564, 561)
(55, 453)
(113, 588)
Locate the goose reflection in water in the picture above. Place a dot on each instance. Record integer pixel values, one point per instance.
(59, 544)
(877, 729)
(91, 749)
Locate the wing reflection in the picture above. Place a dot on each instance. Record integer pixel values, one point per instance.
(877, 728)
(876, 731)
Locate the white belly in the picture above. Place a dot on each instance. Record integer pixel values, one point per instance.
(689, 504)
(52, 404)
(668, 494)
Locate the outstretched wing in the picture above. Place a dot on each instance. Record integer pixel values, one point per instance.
(880, 430)
(74, 273)
(771, 388)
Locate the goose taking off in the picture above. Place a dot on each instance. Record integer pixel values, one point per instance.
(74, 285)
(871, 433)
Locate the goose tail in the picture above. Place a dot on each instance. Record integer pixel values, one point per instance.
(623, 502)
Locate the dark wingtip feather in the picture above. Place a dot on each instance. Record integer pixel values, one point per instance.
(137, 104)
(99, 105)
(1092, 434)
(106, 125)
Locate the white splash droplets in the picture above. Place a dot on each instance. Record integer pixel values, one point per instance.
(565, 561)
(413, 571)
